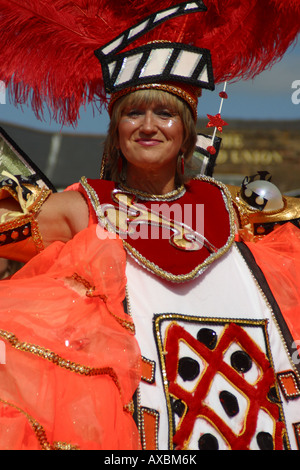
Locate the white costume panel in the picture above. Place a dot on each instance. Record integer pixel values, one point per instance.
(225, 294)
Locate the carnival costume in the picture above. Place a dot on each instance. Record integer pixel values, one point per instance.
(204, 355)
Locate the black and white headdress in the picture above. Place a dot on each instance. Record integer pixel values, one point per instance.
(178, 68)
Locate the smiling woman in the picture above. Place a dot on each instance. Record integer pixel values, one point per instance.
(170, 127)
(133, 327)
(150, 139)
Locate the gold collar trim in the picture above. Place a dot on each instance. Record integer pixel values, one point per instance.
(170, 196)
(149, 265)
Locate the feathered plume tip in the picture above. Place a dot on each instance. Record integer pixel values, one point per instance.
(47, 46)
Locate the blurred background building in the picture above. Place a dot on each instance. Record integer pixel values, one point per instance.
(247, 147)
(263, 131)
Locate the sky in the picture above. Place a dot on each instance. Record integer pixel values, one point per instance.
(273, 95)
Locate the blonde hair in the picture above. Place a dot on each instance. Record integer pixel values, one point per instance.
(111, 151)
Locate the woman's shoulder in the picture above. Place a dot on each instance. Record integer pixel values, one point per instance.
(63, 215)
(88, 192)
(208, 187)
(100, 186)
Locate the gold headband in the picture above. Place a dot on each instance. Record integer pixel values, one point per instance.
(186, 93)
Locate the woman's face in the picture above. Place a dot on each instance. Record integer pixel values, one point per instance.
(150, 136)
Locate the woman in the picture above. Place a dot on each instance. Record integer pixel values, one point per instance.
(141, 323)
(210, 343)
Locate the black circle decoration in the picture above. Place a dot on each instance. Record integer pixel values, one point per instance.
(208, 442)
(188, 368)
(241, 361)
(273, 395)
(265, 441)
(208, 337)
(229, 403)
(178, 408)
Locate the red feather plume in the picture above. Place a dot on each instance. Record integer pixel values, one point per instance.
(47, 46)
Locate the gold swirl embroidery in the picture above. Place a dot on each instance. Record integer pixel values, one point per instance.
(140, 259)
(125, 214)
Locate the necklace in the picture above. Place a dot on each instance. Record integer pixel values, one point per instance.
(170, 196)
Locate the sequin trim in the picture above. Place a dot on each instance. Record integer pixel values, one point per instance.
(91, 292)
(150, 425)
(29, 219)
(51, 356)
(192, 101)
(40, 432)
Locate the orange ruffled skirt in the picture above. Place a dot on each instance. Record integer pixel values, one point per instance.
(69, 359)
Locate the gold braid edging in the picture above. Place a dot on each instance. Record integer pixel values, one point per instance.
(29, 217)
(66, 364)
(91, 292)
(40, 432)
(51, 356)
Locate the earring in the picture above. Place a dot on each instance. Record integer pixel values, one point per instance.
(182, 164)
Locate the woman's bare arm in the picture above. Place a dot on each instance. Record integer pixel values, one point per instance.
(62, 216)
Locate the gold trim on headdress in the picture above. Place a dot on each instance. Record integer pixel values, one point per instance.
(187, 94)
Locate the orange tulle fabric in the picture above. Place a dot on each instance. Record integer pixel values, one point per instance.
(278, 256)
(69, 359)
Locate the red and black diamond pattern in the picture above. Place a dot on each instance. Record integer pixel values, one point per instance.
(221, 388)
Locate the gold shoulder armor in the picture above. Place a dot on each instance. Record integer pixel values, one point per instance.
(20, 238)
(261, 207)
